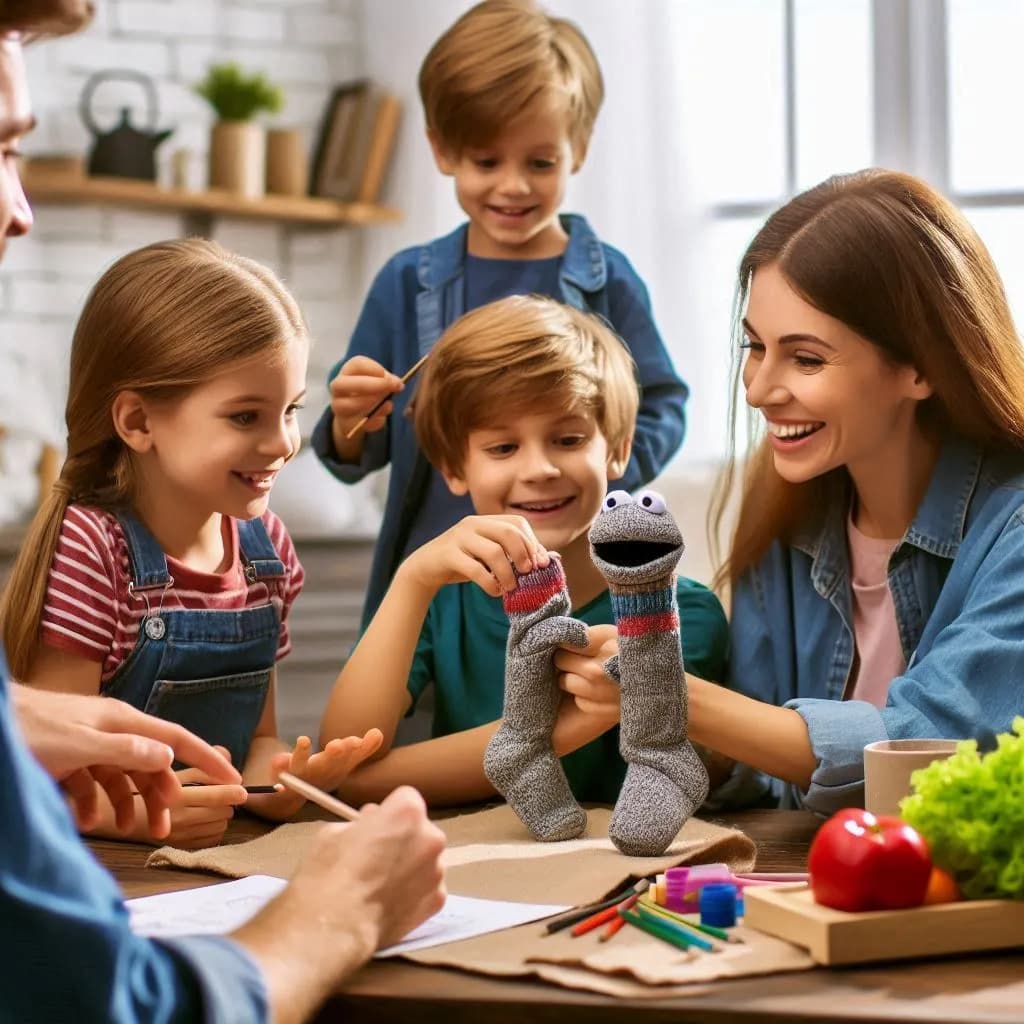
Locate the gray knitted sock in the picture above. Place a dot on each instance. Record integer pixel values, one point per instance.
(636, 546)
(520, 760)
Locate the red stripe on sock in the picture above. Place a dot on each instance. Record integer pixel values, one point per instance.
(528, 597)
(637, 625)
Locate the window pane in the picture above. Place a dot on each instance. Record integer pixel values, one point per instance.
(731, 70)
(986, 82)
(708, 364)
(834, 121)
(1001, 229)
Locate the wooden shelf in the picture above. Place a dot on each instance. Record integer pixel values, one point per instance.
(49, 186)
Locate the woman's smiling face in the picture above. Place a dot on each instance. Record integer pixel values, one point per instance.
(829, 397)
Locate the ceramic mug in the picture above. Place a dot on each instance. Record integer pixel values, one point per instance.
(888, 765)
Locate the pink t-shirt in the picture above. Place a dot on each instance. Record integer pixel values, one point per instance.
(875, 630)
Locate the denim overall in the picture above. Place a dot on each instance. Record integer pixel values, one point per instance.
(206, 670)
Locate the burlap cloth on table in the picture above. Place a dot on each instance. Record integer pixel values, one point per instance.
(491, 855)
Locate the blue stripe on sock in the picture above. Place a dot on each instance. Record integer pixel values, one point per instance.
(655, 602)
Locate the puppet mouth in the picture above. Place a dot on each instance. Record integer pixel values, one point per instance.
(629, 554)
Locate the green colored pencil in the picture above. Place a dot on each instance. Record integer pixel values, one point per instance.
(688, 933)
(708, 929)
(657, 929)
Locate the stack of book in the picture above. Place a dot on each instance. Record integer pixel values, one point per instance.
(357, 138)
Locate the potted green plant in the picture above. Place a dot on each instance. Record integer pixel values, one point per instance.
(237, 142)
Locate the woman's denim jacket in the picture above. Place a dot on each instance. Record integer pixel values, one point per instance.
(957, 581)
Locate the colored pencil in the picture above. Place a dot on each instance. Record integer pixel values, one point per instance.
(602, 916)
(708, 929)
(618, 921)
(319, 797)
(691, 936)
(595, 920)
(614, 927)
(655, 928)
(249, 789)
(571, 917)
(387, 398)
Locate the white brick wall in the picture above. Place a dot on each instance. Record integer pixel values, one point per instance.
(305, 46)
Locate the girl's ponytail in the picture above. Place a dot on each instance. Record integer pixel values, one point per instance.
(160, 321)
(21, 608)
(98, 477)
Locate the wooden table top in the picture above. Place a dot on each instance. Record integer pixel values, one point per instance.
(978, 989)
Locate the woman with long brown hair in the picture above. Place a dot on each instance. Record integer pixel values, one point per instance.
(877, 566)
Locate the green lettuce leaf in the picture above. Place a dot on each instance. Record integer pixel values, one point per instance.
(971, 810)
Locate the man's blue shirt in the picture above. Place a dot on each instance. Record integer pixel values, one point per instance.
(66, 950)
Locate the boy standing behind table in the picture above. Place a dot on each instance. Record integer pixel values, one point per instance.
(510, 96)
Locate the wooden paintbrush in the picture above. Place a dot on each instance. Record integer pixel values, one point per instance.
(408, 375)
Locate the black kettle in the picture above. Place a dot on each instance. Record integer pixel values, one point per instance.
(125, 151)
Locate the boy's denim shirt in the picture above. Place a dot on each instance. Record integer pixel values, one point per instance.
(418, 294)
(957, 581)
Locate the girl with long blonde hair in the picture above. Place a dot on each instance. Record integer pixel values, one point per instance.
(155, 572)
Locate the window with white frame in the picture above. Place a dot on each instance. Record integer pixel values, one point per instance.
(784, 93)
(985, 171)
(791, 91)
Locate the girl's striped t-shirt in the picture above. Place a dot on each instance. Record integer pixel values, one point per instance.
(89, 612)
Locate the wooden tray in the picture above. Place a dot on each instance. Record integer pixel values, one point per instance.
(837, 937)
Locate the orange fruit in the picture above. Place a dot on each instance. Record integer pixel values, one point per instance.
(942, 887)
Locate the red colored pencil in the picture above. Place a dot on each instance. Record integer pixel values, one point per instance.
(592, 922)
(614, 926)
(612, 929)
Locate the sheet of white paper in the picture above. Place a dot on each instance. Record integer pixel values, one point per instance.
(462, 917)
(218, 909)
(209, 910)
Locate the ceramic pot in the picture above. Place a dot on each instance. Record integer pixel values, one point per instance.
(238, 157)
(287, 167)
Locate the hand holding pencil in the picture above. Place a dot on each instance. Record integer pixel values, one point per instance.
(324, 770)
(361, 396)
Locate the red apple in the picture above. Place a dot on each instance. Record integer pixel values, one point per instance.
(862, 862)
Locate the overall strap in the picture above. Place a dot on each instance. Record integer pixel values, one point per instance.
(148, 563)
(258, 553)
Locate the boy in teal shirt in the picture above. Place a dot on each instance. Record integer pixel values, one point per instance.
(510, 95)
(528, 407)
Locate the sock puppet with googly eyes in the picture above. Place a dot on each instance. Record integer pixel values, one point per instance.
(636, 545)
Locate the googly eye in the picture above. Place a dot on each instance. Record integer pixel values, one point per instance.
(651, 501)
(615, 499)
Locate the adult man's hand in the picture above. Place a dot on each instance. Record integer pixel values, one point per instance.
(92, 743)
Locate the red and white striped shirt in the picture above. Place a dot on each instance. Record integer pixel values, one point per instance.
(88, 611)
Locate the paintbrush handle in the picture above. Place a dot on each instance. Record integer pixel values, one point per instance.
(366, 419)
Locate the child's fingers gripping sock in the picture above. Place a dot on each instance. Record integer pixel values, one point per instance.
(636, 545)
(520, 760)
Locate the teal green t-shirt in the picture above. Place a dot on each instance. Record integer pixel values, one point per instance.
(461, 651)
